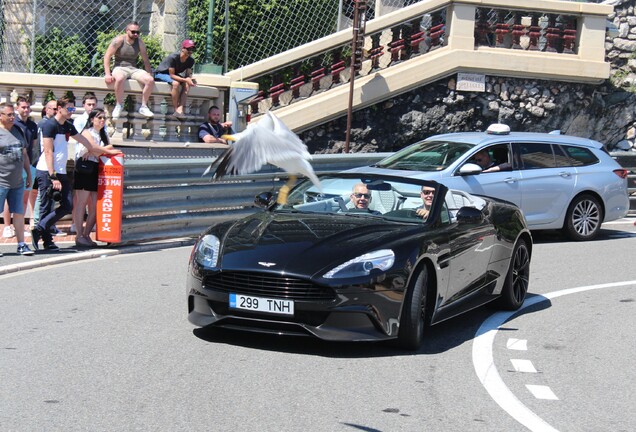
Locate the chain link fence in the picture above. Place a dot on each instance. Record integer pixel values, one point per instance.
(69, 37)
(246, 31)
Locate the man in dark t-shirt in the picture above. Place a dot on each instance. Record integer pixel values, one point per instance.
(212, 130)
(176, 70)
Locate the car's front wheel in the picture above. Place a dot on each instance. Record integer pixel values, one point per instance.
(583, 219)
(515, 288)
(413, 317)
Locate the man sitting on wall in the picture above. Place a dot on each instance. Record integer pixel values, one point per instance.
(126, 48)
(176, 70)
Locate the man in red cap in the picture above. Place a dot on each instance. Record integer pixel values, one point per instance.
(176, 70)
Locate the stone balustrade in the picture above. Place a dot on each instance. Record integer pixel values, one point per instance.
(131, 127)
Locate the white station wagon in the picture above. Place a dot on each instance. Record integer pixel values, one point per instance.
(558, 181)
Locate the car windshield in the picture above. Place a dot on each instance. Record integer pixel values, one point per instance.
(364, 196)
(426, 156)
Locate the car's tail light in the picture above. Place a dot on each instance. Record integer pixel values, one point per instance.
(622, 173)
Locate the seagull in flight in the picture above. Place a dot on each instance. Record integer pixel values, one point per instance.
(268, 141)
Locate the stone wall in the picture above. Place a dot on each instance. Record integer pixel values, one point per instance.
(606, 112)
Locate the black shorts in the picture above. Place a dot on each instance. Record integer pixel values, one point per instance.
(87, 182)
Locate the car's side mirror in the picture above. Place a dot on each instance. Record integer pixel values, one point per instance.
(469, 169)
(469, 215)
(263, 199)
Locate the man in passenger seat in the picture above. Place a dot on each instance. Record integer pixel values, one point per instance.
(427, 193)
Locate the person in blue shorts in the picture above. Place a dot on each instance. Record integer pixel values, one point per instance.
(13, 162)
(176, 70)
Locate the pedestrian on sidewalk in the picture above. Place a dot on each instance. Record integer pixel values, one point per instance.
(53, 182)
(14, 160)
(85, 182)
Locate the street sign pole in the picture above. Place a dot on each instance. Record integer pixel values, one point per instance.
(357, 48)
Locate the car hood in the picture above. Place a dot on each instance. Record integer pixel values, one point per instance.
(305, 243)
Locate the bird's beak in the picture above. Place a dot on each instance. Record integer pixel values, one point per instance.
(228, 137)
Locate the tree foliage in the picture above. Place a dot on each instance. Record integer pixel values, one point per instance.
(259, 28)
(57, 54)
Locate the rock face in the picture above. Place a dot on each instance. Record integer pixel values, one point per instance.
(605, 112)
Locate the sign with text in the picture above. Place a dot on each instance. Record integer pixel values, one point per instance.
(110, 195)
(471, 82)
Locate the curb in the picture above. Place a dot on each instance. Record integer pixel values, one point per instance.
(95, 253)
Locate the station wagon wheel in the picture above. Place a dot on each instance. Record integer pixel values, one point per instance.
(515, 288)
(583, 219)
(413, 316)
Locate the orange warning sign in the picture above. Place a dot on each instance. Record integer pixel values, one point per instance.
(110, 195)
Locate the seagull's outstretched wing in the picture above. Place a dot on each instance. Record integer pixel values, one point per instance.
(267, 141)
(245, 154)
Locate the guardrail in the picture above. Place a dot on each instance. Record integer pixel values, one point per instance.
(171, 199)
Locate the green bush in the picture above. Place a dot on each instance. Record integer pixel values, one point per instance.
(57, 54)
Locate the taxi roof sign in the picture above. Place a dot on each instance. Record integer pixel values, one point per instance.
(498, 129)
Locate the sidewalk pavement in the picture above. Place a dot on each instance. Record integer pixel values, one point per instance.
(11, 262)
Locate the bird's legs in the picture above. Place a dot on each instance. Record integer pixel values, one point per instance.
(284, 190)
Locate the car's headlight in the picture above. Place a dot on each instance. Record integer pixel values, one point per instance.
(361, 266)
(206, 251)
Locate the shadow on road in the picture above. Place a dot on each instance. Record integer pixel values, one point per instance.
(604, 234)
(441, 337)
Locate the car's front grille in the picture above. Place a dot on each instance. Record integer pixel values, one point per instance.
(268, 285)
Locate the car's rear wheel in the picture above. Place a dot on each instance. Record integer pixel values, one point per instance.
(515, 288)
(412, 322)
(583, 219)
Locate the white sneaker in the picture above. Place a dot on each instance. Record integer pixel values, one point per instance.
(116, 111)
(8, 231)
(145, 111)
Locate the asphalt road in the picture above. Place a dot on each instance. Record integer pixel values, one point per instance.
(104, 345)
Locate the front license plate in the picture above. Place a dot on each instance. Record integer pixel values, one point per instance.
(262, 304)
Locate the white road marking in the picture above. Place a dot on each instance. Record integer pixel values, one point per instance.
(487, 371)
(517, 344)
(542, 392)
(521, 365)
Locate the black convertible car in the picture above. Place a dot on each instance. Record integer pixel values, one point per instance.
(366, 257)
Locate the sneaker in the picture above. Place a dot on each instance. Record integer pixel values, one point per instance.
(51, 246)
(36, 235)
(116, 111)
(145, 111)
(24, 250)
(8, 231)
(57, 232)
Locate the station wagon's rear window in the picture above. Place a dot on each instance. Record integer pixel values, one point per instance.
(580, 156)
